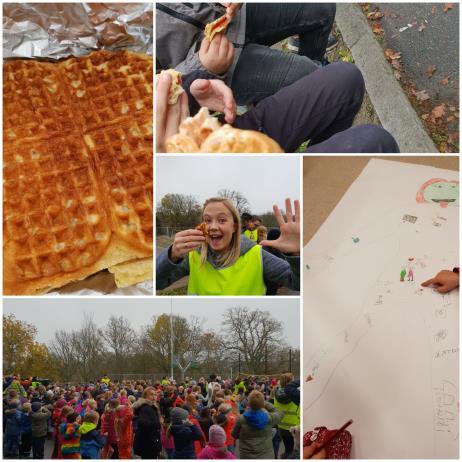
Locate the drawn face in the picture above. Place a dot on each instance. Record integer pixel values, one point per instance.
(442, 192)
(220, 224)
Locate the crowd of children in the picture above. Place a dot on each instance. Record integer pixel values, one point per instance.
(244, 418)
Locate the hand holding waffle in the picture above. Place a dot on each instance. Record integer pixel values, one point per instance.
(231, 8)
(216, 96)
(184, 242)
(168, 116)
(289, 241)
(217, 55)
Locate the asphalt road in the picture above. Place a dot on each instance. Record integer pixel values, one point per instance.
(436, 45)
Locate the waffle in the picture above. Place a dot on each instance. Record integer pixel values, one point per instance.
(77, 168)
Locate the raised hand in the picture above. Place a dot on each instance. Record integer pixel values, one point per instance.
(217, 55)
(184, 242)
(289, 240)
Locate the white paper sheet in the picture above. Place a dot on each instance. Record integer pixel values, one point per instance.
(382, 351)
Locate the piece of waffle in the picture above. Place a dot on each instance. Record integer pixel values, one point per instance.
(77, 168)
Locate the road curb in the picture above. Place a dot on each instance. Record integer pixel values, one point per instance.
(388, 98)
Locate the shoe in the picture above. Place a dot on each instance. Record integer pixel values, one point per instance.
(294, 43)
(332, 42)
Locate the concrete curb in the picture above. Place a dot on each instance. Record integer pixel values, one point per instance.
(388, 98)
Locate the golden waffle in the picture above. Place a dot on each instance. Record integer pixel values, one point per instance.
(77, 168)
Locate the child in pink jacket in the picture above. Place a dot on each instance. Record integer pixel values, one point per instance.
(216, 447)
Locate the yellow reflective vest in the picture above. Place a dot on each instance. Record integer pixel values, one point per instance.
(251, 234)
(244, 277)
(291, 414)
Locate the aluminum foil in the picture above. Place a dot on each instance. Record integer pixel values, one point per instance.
(59, 30)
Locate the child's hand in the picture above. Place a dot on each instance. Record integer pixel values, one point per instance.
(168, 116)
(215, 95)
(308, 452)
(231, 8)
(289, 240)
(184, 242)
(445, 281)
(218, 55)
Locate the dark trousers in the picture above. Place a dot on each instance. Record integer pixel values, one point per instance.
(261, 71)
(26, 444)
(288, 441)
(38, 447)
(319, 107)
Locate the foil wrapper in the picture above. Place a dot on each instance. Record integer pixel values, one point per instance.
(60, 30)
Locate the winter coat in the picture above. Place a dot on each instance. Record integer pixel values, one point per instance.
(13, 422)
(167, 441)
(147, 436)
(91, 441)
(26, 424)
(210, 452)
(254, 431)
(39, 421)
(184, 436)
(70, 447)
(124, 428)
(108, 426)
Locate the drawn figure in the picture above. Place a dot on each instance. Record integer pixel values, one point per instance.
(446, 409)
(440, 313)
(439, 191)
(441, 335)
(379, 300)
(402, 275)
(410, 272)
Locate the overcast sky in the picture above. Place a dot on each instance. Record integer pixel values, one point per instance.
(264, 181)
(49, 315)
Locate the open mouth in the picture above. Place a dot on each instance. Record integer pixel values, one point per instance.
(215, 239)
(443, 200)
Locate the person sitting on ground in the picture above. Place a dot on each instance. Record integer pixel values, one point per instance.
(232, 55)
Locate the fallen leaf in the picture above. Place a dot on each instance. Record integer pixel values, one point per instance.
(425, 116)
(374, 15)
(422, 95)
(443, 147)
(433, 9)
(396, 64)
(450, 119)
(421, 27)
(430, 71)
(377, 28)
(397, 75)
(452, 108)
(453, 137)
(444, 81)
(438, 112)
(447, 6)
(390, 54)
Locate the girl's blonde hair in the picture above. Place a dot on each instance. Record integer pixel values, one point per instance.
(230, 255)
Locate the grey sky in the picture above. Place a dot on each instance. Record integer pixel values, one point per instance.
(48, 315)
(264, 181)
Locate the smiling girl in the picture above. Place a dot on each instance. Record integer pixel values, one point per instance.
(231, 264)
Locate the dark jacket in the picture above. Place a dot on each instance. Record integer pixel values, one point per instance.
(184, 436)
(290, 393)
(147, 436)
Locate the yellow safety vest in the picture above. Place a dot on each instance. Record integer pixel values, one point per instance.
(252, 235)
(291, 416)
(244, 277)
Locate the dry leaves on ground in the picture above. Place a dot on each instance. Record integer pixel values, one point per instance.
(444, 81)
(447, 6)
(431, 69)
(421, 95)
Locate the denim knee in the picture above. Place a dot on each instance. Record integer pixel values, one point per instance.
(348, 76)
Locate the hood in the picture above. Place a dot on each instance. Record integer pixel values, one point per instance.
(216, 453)
(282, 396)
(258, 419)
(87, 427)
(141, 402)
(246, 245)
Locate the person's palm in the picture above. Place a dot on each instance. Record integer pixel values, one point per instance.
(216, 96)
(289, 240)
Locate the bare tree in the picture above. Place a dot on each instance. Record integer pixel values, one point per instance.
(178, 211)
(239, 200)
(63, 350)
(251, 334)
(120, 338)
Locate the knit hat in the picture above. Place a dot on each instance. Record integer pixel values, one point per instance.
(178, 415)
(36, 406)
(61, 403)
(217, 436)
